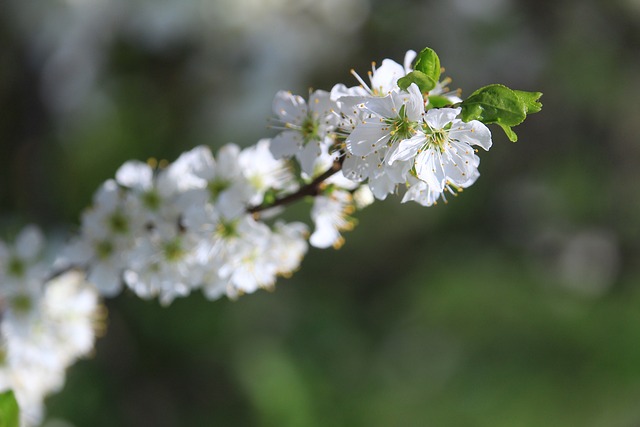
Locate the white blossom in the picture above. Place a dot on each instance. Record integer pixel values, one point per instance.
(307, 128)
(263, 172)
(330, 214)
(442, 150)
(45, 326)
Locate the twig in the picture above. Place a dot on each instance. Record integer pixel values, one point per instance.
(311, 189)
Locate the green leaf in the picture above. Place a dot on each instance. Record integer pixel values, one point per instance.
(494, 104)
(428, 63)
(426, 72)
(510, 133)
(530, 100)
(500, 105)
(9, 411)
(424, 82)
(438, 101)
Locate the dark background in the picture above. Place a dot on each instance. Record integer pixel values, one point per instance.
(517, 304)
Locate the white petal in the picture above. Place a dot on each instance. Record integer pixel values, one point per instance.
(438, 118)
(355, 168)
(136, 175)
(29, 242)
(107, 196)
(455, 168)
(106, 278)
(381, 186)
(472, 133)
(191, 170)
(399, 171)
(320, 104)
(384, 78)
(383, 107)
(228, 164)
(286, 144)
(289, 108)
(408, 148)
(368, 137)
(324, 235)
(308, 156)
(78, 251)
(414, 102)
(429, 168)
(408, 59)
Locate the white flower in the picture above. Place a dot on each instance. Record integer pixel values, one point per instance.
(22, 271)
(223, 178)
(108, 233)
(240, 251)
(150, 196)
(384, 79)
(288, 246)
(35, 351)
(363, 197)
(392, 119)
(442, 150)
(307, 128)
(74, 307)
(162, 264)
(330, 213)
(263, 171)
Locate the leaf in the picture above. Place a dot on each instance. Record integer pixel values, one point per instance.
(438, 101)
(494, 104)
(530, 100)
(500, 105)
(429, 64)
(424, 82)
(426, 72)
(510, 133)
(9, 411)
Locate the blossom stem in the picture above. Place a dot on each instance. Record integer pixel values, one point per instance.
(310, 189)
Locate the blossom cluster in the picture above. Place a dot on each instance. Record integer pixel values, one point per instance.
(47, 324)
(212, 222)
(390, 137)
(163, 232)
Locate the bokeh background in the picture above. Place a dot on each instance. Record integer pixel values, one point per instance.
(517, 304)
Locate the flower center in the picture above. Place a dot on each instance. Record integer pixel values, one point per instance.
(173, 250)
(227, 229)
(310, 129)
(118, 222)
(16, 267)
(217, 186)
(151, 200)
(104, 249)
(22, 303)
(401, 127)
(437, 138)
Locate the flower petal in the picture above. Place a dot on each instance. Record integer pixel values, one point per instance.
(407, 149)
(286, 144)
(368, 137)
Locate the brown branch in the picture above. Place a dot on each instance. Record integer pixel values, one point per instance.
(311, 189)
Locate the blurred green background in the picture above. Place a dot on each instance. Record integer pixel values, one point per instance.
(517, 304)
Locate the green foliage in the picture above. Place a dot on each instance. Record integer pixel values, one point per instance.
(9, 411)
(497, 104)
(438, 101)
(426, 72)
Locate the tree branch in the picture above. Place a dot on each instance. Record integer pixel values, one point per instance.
(311, 189)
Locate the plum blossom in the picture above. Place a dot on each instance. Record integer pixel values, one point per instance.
(307, 128)
(442, 150)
